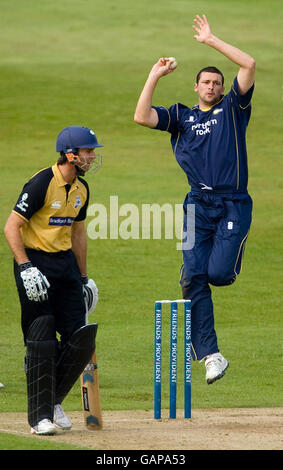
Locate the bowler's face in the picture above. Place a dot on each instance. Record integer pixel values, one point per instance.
(209, 88)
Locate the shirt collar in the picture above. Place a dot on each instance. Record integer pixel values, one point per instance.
(59, 177)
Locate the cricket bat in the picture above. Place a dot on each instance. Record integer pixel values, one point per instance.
(90, 394)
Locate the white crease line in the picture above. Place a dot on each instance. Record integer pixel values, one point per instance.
(12, 431)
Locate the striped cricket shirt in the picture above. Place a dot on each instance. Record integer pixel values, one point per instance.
(50, 206)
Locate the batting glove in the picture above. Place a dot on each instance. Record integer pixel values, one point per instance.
(35, 283)
(90, 292)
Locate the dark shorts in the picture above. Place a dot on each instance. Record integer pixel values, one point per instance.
(65, 296)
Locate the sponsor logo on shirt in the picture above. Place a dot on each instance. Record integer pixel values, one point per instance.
(56, 205)
(204, 127)
(22, 205)
(61, 221)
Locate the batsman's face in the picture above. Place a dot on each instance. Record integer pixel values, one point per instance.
(87, 156)
(209, 88)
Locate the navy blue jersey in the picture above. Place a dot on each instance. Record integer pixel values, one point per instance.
(210, 146)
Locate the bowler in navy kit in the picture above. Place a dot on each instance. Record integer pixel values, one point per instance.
(209, 143)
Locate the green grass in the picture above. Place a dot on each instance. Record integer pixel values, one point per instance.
(19, 443)
(69, 62)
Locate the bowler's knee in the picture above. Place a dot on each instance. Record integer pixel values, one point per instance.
(221, 278)
(195, 287)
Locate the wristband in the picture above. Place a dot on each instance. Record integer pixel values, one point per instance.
(26, 265)
(84, 279)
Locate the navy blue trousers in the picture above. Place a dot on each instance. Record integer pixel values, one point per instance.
(221, 227)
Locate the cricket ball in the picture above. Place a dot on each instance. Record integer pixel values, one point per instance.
(174, 64)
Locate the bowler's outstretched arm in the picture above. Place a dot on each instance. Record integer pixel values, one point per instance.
(247, 64)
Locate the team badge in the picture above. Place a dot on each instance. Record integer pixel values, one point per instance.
(217, 111)
(78, 202)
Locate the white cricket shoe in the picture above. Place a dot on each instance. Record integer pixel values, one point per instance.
(215, 365)
(44, 428)
(61, 419)
(1, 385)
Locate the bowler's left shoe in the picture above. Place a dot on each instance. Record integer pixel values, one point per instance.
(215, 365)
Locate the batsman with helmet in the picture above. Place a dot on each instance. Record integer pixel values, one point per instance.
(209, 143)
(46, 234)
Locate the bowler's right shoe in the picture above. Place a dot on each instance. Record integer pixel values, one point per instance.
(215, 365)
(44, 428)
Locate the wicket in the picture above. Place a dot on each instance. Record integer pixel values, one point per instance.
(173, 357)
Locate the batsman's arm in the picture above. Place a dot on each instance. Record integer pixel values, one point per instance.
(246, 74)
(12, 232)
(34, 282)
(145, 115)
(79, 245)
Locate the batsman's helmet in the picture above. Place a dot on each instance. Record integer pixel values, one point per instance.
(72, 138)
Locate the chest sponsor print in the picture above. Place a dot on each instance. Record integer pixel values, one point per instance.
(61, 221)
